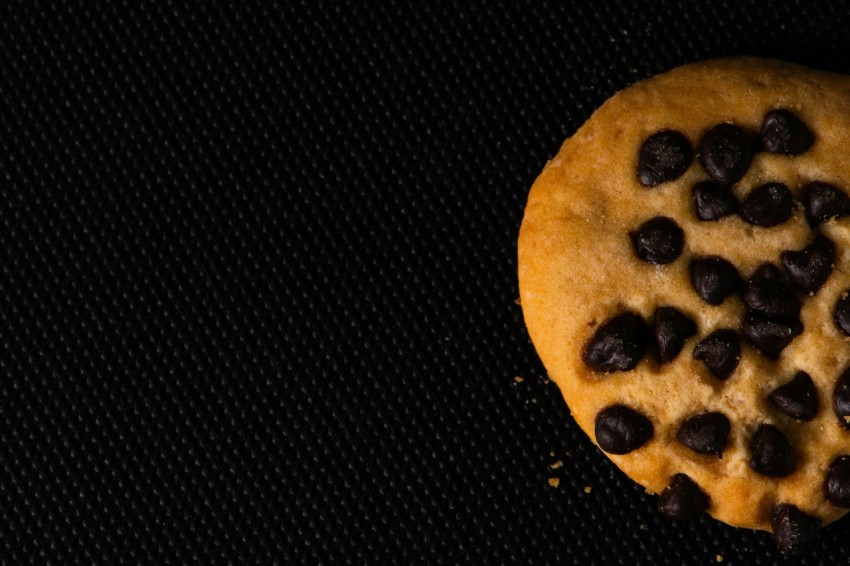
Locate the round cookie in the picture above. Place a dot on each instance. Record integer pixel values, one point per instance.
(683, 268)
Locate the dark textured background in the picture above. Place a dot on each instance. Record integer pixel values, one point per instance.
(257, 279)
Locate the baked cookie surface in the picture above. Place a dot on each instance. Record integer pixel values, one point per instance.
(682, 263)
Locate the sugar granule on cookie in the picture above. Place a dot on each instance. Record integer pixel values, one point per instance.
(683, 272)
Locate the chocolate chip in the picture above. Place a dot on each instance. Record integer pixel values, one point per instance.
(618, 344)
(714, 278)
(619, 429)
(810, 267)
(841, 399)
(682, 499)
(672, 328)
(713, 201)
(720, 351)
(797, 398)
(783, 132)
(842, 312)
(837, 484)
(765, 292)
(770, 335)
(824, 202)
(768, 205)
(663, 157)
(792, 528)
(725, 152)
(772, 454)
(659, 240)
(705, 433)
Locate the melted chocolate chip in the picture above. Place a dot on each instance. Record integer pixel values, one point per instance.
(792, 528)
(783, 132)
(797, 398)
(765, 292)
(619, 429)
(705, 433)
(720, 351)
(713, 201)
(671, 328)
(618, 344)
(810, 267)
(841, 399)
(824, 202)
(663, 157)
(725, 152)
(714, 278)
(659, 240)
(768, 205)
(770, 335)
(772, 454)
(682, 499)
(842, 312)
(837, 484)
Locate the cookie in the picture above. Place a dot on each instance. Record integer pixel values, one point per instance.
(684, 277)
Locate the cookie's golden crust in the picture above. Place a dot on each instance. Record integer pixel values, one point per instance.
(577, 269)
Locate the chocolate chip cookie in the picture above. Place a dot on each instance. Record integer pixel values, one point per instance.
(683, 271)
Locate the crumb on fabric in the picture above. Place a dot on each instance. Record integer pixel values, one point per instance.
(587, 489)
(554, 482)
(719, 558)
(518, 301)
(556, 465)
(518, 379)
(643, 526)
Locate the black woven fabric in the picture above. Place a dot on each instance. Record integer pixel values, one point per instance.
(257, 279)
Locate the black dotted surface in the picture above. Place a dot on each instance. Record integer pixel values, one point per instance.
(257, 279)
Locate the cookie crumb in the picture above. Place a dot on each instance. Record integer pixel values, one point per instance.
(556, 465)
(554, 482)
(642, 526)
(719, 558)
(518, 301)
(518, 379)
(587, 489)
